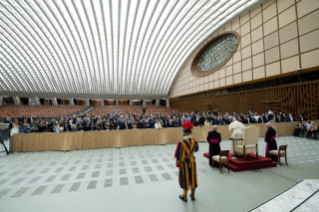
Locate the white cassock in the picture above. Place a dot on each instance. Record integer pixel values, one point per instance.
(237, 128)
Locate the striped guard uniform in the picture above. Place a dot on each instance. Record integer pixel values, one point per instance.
(186, 162)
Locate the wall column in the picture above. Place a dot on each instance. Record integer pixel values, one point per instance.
(102, 102)
(54, 101)
(16, 100)
(71, 101)
(131, 103)
(36, 100)
(1, 100)
(116, 102)
(167, 102)
(87, 102)
(144, 102)
(157, 102)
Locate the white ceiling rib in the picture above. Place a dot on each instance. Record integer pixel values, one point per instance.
(113, 47)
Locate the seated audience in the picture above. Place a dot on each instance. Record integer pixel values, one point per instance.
(298, 129)
(312, 131)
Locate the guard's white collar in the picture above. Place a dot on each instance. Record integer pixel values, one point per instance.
(187, 136)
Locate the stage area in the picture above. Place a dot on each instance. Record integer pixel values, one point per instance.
(143, 178)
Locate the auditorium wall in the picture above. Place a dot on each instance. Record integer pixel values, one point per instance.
(301, 98)
(276, 38)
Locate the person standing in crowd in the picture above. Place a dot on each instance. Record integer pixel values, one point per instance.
(14, 130)
(290, 118)
(270, 139)
(7, 121)
(213, 139)
(158, 124)
(186, 162)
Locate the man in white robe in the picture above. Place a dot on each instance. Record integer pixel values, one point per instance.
(237, 129)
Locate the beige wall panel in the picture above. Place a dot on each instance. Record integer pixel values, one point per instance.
(284, 4)
(271, 40)
(229, 80)
(256, 21)
(310, 59)
(237, 78)
(259, 73)
(273, 69)
(257, 34)
(290, 65)
(206, 86)
(229, 70)
(236, 57)
(287, 17)
(246, 52)
(235, 24)
(308, 23)
(272, 55)
(247, 64)
(288, 32)
(216, 84)
(211, 85)
(247, 76)
(211, 78)
(245, 41)
(244, 18)
(222, 73)
(228, 28)
(270, 26)
(258, 47)
(222, 82)
(289, 49)
(245, 29)
(255, 11)
(267, 3)
(309, 41)
(269, 12)
(230, 62)
(306, 6)
(216, 75)
(237, 68)
(258, 60)
(205, 79)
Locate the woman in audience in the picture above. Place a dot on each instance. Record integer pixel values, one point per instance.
(206, 122)
(158, 124)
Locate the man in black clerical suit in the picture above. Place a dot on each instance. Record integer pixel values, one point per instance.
(213, 138)
(270, 139)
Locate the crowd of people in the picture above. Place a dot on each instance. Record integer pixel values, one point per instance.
(143, 120)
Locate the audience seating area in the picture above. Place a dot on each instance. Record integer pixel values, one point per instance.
(38, 111)
(125, 109)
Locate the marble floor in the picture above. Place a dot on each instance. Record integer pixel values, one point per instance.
(144, 178)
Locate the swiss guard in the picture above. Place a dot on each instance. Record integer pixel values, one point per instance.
(186, 162)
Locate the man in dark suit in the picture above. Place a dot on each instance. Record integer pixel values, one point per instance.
(213, 138)
(30, 120)
(7, 121)
(290, 118)
(21, 120)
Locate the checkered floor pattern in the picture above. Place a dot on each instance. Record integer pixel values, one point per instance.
(51, 173)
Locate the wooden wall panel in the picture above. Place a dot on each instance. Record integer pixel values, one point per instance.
(301, 98)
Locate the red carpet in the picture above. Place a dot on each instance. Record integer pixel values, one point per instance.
(251, 162)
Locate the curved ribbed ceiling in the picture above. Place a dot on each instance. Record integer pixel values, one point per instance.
(103, 46)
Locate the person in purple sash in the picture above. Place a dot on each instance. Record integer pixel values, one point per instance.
(213, 138)
(270, 139)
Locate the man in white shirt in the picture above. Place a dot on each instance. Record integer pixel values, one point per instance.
(237, 129)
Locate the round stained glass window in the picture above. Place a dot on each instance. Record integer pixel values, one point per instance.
(215, 54)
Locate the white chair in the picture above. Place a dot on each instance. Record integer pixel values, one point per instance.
(250, 142)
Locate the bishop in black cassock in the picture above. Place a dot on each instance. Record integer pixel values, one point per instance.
(213, 138)
(270, 139)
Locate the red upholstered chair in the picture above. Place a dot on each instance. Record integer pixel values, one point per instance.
(222, 158)
(281, 152)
